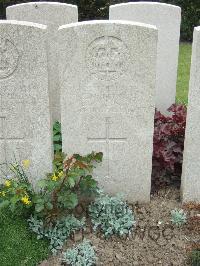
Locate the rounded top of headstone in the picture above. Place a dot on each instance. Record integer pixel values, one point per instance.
(46, 4)
(108, 22)
(148, 4)
(48, 13)
(23, 23)
(197, 28)
(196, 34)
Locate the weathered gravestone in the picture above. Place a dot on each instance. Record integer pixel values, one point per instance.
(191, 162)
(167, 19)
(24, 104)
(108, 72)
(53, 15)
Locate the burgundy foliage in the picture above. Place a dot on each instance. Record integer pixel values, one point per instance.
(169, 132)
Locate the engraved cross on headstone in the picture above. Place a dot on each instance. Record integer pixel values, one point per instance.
(3, 126)
(107, 139)
(4, 134)
(107, 94)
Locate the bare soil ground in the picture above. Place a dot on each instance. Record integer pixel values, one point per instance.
(154, 241)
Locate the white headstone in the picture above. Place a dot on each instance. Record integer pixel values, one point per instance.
(191, 162)
(53, 15)
(108, 72)
(167, 19)
(24, 105)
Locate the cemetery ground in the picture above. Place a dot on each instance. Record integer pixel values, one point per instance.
(154, 240)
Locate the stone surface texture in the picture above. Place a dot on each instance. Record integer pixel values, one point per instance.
(25, 131)
(53, 15)
(167, 19)
(191, 161)
(108, 75)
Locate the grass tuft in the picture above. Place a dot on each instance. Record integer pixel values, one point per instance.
(183, 73)
(18, 246)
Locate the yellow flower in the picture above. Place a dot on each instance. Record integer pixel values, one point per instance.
(26, 200)
(26, 163)
(61, 174)
(3, 193)
(7, 183)
(54, 177)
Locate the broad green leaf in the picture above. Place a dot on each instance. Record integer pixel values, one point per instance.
(57, 126)
(77, 172)
(70, 201)
(57, 147)
(56, 138)
(71, 181)
(99, 156)
(73, 200)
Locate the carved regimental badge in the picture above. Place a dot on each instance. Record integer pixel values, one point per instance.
(107, 58)
(9, 57)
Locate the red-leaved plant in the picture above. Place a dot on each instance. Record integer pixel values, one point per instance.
(168, 146)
